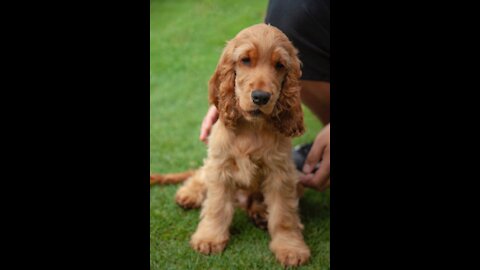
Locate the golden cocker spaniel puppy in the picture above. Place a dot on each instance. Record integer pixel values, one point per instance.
(256, 90)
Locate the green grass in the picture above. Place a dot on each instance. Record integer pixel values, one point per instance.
(186, 39)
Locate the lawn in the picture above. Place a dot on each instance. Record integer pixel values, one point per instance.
(186, 39)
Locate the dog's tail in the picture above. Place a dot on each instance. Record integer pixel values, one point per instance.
(170, 178)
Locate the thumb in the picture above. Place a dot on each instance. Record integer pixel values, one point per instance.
(306, 179)
(205, 129)
(313, 157)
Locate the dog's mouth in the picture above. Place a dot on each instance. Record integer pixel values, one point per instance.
(255, 112)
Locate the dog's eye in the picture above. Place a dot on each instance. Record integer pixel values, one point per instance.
(246, 61)
(279, 65)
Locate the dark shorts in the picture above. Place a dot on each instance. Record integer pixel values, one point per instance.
(307, 25)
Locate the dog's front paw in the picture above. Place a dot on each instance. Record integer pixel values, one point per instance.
(208, 245)
(292, 255)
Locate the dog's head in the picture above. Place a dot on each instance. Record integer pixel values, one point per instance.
(257, 78)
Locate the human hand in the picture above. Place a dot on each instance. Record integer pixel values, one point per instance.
(208, 121)
(319, 153)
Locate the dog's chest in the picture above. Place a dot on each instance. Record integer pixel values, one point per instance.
(254, 145)
(249, 159)
(248, 154)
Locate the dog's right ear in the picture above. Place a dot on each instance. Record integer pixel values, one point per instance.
(221, 87)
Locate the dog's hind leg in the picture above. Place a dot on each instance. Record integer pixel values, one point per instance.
(254, 205)
(257, 210)
(192, 193)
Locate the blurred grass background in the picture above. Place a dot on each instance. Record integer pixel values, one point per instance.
(186, 39)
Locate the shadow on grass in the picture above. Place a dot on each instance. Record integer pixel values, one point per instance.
(315, 206)
(315, 215)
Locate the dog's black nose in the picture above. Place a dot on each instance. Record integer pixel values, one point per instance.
(260, 97)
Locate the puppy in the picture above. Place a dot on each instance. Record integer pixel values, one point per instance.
(256, 90)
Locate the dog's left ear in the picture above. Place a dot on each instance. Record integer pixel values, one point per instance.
(287, 116)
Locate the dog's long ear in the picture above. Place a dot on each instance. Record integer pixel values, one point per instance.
(221, 87)
(287, 116)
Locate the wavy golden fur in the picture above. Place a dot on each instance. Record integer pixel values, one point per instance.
(250, 146)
